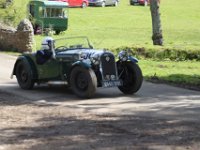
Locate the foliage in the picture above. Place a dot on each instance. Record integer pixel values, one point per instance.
(164, 53)
(14, 12)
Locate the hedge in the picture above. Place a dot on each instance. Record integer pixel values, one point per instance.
(163, 53)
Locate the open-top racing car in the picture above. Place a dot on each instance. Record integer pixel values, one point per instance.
(83, 68)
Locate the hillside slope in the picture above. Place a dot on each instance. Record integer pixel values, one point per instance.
(13, 13)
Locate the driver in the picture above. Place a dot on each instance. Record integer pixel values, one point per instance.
(45, 45)
(45, 53)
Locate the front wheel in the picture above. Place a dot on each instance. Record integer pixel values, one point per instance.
(131, 76)
(24, 75)
(83, 82)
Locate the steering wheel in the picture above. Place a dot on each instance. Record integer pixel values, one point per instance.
(61, 48)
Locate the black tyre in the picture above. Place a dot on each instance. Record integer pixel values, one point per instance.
(58, 32)
(37, 29)
(132, 3)
(24, 75)
(132, 78)
(83, 82)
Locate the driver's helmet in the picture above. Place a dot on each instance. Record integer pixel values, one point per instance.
(45, 45)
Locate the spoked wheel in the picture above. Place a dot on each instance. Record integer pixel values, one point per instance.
(131, 76)
(24, 75)
(83, 82)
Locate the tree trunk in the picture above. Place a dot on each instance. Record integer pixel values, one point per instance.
(157, 36)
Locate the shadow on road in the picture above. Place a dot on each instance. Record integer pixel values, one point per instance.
(51, 118)
(104, 132)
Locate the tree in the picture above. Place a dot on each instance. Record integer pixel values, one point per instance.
(157, 36)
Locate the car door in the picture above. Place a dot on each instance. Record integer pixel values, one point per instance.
(78, 2)
(49, 70)
(71, 3)
(75, 3)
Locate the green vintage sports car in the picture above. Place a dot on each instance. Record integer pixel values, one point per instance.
(83, 68)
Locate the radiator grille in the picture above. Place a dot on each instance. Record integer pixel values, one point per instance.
(108, 66)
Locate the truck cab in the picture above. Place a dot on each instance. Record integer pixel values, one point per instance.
(48, 15)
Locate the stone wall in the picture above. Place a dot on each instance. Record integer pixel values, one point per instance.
(20, 39)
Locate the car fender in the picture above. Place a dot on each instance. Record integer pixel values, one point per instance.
(28, 61)
(82, 64)
(78, 63)
(132, 59)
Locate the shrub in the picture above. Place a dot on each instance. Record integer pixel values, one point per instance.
(163, 53)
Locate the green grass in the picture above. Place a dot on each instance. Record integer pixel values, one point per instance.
(184, 72)
(14, 13)
(127, 25)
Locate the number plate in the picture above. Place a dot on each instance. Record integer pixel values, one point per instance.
(111, 83)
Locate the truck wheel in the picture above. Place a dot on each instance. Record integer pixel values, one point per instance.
(83, 82)
(24, 75)
(58, 32)
(131, 76)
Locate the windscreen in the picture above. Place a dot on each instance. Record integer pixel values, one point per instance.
(54, 12)
(73, 43)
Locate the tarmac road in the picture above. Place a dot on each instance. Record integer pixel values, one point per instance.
(152, 99)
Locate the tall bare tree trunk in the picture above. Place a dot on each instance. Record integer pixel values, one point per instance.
(157, 36)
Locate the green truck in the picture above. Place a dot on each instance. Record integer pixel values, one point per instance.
(48, 15)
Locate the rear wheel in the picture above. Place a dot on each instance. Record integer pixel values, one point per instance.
(37, 29)
(83, 82)
(131, 76)
(24, 75)
(132, 3)
(58, 32)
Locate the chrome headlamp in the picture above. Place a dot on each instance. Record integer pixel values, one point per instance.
(123, 55)
(95, 59)
(80, 56)
(83, 56)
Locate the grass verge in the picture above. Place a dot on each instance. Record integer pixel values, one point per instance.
(180, 73)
